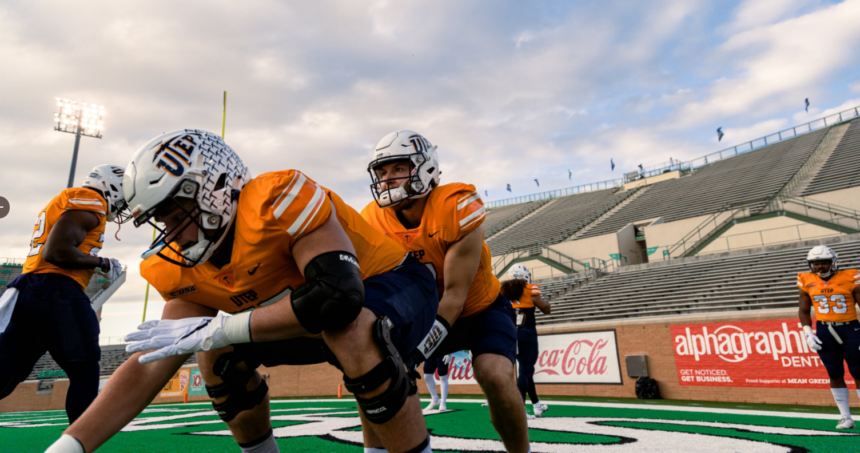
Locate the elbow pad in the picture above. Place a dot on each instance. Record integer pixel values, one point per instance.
(332, 295)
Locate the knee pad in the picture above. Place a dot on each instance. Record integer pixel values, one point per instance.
(383, 407)
(234, 388)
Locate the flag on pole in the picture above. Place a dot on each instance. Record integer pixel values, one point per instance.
(720, 134)
(569, 174)
(509, 188)
(807, 105)
(610, 163)
(536, 182)
(486, 194)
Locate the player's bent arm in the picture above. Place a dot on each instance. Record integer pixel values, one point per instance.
(805, 307)
(461, 264)
(61, 248)
(332, 296)
(541, 304)
(132, 387)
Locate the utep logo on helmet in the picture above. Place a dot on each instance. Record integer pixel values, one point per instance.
(420, 143)
(174, 155)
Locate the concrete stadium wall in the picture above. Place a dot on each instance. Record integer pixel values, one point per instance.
(768, 231)
(595, 247)
(848, 198)
(650, 337)
(669, 233)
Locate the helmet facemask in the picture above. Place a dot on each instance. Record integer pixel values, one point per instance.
(823, 254)
(404, 187)
(183, 200)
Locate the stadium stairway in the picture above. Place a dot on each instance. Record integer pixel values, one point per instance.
(755, 279)
(842, 168)
(638, 191)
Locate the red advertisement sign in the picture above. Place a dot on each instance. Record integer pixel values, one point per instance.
(748, 354)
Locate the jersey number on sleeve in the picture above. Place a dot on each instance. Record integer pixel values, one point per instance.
(837, 302)
(36, 248)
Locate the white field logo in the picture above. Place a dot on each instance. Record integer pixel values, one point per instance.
(331, 421)
(732, 344)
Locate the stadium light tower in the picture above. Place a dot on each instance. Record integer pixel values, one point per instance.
(79, 119)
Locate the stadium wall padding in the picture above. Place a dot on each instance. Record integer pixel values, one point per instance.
(634, 336)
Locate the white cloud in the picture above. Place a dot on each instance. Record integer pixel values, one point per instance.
(509, 91)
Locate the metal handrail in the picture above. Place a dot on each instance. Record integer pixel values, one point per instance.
(760, 142)
(653, 170)
(583, 188)
(762, 242)
(735, 208)
(836, 213)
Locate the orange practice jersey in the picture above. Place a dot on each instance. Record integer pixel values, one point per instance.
(833, 299)
(525, 301)
(72, 199)
(274, 211)
(452, 211)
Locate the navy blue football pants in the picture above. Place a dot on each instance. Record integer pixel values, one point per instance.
(834, 355)
(527, 355)
(52, 315)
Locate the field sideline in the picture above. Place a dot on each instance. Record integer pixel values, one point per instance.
(573, 423)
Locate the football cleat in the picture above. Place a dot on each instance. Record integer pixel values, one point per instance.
(431, 407)
(845, 423)
(539, 408)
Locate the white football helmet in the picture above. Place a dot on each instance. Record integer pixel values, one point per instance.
(822, 253)
(520, 272)
(186, 164)
(424, 171)
(108, 180)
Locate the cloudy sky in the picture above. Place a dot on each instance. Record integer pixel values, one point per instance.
(509, 91)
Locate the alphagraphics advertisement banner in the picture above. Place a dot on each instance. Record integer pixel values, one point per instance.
(178, 384)
(578, 358)
(748, 354)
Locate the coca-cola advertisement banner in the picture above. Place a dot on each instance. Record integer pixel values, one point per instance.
(578, 358)
(748, 354)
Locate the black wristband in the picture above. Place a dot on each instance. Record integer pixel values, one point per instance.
(444, 322)
(101, 264)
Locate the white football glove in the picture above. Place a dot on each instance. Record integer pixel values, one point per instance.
(189, 335)
(811, 339)
(115, 269)
(446, 359)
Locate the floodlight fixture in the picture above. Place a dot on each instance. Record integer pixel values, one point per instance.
(79, 119)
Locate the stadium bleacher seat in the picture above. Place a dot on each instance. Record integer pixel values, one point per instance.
(745, 180)
(500, 218)
(557, 222)
(698, 285)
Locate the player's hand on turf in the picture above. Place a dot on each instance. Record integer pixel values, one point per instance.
(178, 336)
(813, 341)
(446, 359)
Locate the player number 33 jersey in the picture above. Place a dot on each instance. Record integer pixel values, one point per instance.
(832, 300)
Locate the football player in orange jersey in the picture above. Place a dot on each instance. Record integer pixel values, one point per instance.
(289, 259)
(441, 225)
(833, 294)
(525, 297)
(45, 309)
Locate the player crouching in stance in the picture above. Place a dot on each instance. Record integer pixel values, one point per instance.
(525, 297)
(833, 294)
(442, 227)
(46, 309)
(288, 258)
